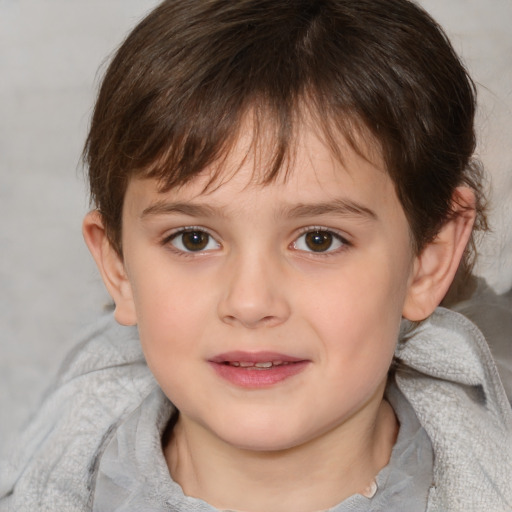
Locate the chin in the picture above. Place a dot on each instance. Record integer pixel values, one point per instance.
(265, 445)
(263, 438)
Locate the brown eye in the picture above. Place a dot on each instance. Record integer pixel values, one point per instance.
(193, 240)
(319, 241)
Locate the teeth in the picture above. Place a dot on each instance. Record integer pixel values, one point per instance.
(263, 364)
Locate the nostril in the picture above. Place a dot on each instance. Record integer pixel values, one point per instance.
(253, 307)
(251, 323)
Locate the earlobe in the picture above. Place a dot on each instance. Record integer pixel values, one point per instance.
(111, 267)
(435, 268)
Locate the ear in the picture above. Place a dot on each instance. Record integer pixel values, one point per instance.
(111, 267)
(435, 268)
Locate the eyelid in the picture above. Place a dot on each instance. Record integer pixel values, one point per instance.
(336, 232)
(169, 237)
(342, 238)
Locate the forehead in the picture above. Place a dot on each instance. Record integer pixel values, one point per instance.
(312, 173)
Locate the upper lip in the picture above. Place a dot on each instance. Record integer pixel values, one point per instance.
(253, 357)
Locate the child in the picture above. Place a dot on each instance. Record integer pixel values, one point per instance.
(283, 190)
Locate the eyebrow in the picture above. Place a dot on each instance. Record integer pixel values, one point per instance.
(190, 209)
(340, 207)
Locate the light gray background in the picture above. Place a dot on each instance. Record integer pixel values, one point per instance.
(50, 51)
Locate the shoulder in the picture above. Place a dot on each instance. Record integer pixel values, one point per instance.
(492, 313)
(447, 373)
(103, 379)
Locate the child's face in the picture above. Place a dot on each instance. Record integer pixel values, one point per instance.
(312, 271)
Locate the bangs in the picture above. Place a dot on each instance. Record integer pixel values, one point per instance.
(271, 134)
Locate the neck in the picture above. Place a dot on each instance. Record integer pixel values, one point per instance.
(313, 476)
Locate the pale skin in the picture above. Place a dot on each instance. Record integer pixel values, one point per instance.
(256, 282)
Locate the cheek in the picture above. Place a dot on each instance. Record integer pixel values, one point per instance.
(357, 314)
(362, 294)
(171, 337)
(171, 312)
(164, 293)
(173, 328)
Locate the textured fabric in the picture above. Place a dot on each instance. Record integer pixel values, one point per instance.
(53, 465)
(445, 371)
(492, 313)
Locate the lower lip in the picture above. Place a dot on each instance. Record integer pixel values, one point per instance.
(252, 378)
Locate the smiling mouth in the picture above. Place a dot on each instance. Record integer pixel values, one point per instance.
(257, 370)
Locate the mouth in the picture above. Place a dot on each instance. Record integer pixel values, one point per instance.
(257, 370)
(264, 365)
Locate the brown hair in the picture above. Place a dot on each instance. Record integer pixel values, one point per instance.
(174, 97)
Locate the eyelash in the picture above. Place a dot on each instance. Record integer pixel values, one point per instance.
(167, 241)
(344, 243)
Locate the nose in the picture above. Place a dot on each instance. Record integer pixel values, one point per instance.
(254, 293)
